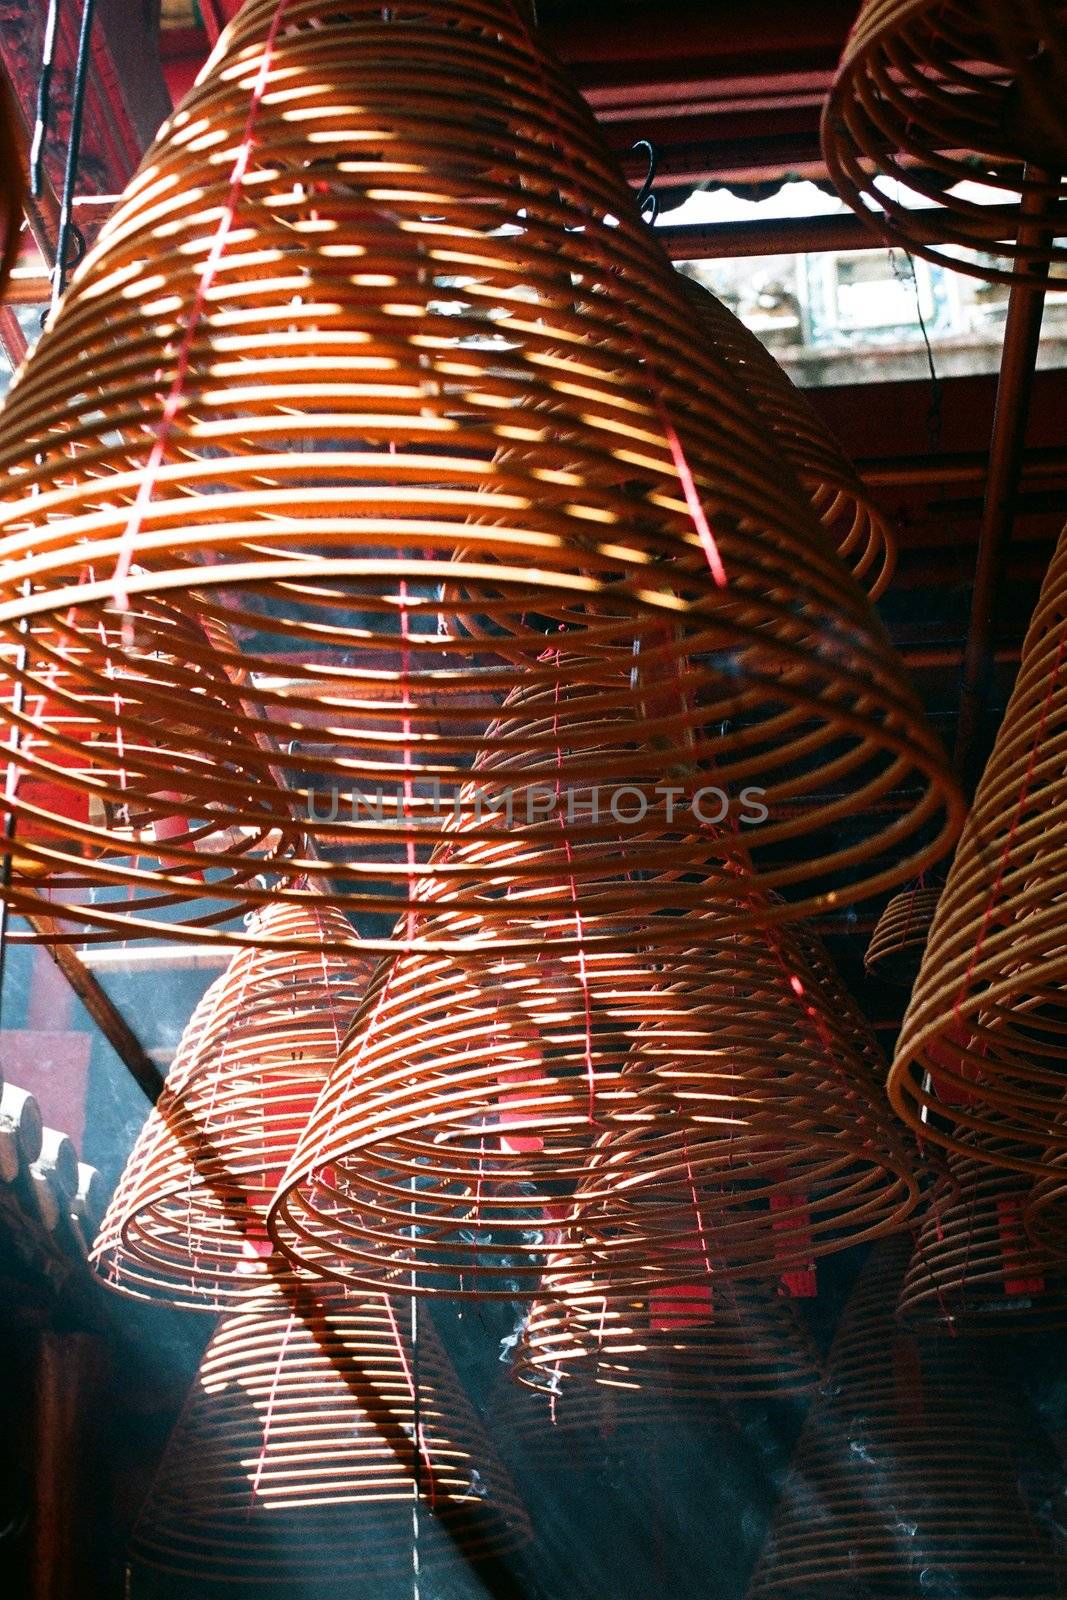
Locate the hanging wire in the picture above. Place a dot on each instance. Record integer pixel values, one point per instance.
(66, 230)
(937, 391)
(44, 99)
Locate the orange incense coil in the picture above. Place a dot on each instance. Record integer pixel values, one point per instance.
(842, 503)
(468, 1103)
(932, 95)
(759, 1133)
(106, 756)
(478, 1120)
(1046, 1209)
(185, 1224)
(395, 351)
(295, 1462)
(689, 1343)
(982, 1048)
(900, 935)
(905, 1481)
(837, 998)
(973, 1270)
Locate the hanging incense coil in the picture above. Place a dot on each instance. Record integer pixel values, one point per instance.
(983, 1047)
(479, 1119)
(765, 1174)
(905, 1481)
(1046, 1210)
(102, 757)
(841, 502)
(927, 98)
(974, 1271)
(836, 997)
(396, 351)
(688, 1345)
(900, 935)
(294, 1464)
(185, 1224)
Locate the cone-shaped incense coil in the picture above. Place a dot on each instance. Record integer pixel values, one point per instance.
(690, 1343)
(106, 750)
(503, 1100)
(900, 935)
(905, 1480)
(842, 503)
(500, 1092)
(340, 349)
(185, 1224)
(758, 1132)
(295, 1462)
(973, 1270)
(838, 999)
(1046, 1210)
(936, 95)
(984, 1040)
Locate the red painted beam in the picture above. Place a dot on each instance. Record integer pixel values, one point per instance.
(216, 14)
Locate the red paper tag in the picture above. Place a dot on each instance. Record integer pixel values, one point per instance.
(798, 1282)
(1015, 1247)
(516, 1144)
(683, 1305)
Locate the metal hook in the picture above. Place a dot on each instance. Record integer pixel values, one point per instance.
(646, 200)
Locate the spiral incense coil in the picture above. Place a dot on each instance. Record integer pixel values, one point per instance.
(905, 1479)
(471, 1108)
(900, 935)
(691, 1343)
(928, 98)
(836, 997)
(101, 756)
(841, 502)
(478, 1120)
(974, 1271)
(185, 1224)
(294, 1462)
(982, 1045)
(341, 349)
(1046, 1209)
